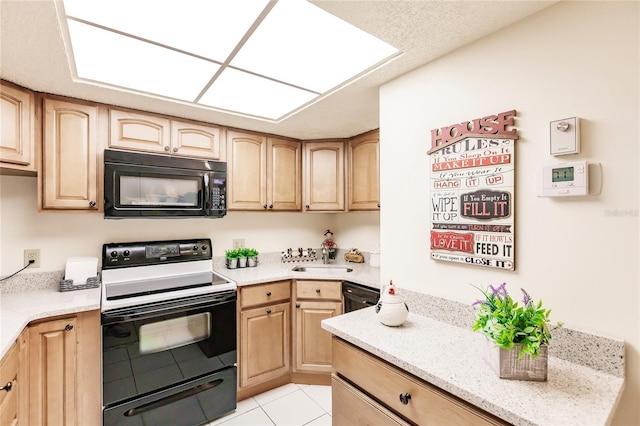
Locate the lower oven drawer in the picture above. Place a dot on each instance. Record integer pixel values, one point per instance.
(190, 404)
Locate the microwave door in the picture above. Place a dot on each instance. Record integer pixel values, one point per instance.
(145, 192)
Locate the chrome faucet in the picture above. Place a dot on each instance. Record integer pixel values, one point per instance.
(325, 254)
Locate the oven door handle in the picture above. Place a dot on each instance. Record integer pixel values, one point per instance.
(167, 308)
(173, 398)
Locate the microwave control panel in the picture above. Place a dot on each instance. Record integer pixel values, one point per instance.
(218, 193)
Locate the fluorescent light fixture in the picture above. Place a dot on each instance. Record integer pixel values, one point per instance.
(260, 58)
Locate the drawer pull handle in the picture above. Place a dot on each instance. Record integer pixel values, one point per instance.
(318, 290)
(268, 311)
(68, 327)
(268, 293)
(404, 398)
(7, 387)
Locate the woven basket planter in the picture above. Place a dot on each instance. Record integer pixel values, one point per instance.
(506, 364)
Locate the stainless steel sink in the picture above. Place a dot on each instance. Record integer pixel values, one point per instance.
(322, 269)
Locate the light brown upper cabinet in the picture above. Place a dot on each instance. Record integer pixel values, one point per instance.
(156, 134)
(264, 173)
(17, 129)
(363, 166)
(69, 178)
(323, 187)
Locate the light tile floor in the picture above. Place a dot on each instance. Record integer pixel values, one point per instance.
(288, 405)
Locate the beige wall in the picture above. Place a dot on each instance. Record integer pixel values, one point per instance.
(63, 235)
(580, 256)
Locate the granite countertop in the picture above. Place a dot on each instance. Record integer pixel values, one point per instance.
(362, 273)
(31, 297)
(449, 357)
(17, 309)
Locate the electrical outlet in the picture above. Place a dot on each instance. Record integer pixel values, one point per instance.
(32, 254)
(238, 243)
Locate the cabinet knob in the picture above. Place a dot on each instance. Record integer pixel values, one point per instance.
(175, 149)
(166, 148)
(270, 206)
(7, 387)
(318, 290)
(68, 327)
(378, 205)
(92, 204)
(268, 293)
(268, 311)
(404, 398)
(297, 305)
(264, 207)
(307, 207)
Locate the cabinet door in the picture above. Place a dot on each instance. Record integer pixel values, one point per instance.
(324, 176)
(195, 140)
(70, 161)
(10, 383)
(284, 168)
(312, 343)
(141, 132)
(363, 159)
(246, 179)
(52, 375)
(264, 343)
(17, 135)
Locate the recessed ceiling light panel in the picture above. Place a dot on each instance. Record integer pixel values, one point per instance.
(306, 46)
(239, 91)
(111, 58)
(208, 28)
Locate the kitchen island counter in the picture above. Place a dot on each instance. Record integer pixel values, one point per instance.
(449, 357)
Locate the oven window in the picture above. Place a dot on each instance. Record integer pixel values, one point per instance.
(144, 190)
(175, 332)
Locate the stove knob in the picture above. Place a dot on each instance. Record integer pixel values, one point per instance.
(126, 253)
(204, 248)
(195, 248)
(114, 254)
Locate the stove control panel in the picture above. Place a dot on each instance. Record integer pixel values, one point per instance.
(120, 255)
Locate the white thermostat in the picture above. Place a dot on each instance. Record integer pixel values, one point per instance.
(565, 180)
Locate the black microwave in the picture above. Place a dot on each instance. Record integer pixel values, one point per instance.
(139, 185)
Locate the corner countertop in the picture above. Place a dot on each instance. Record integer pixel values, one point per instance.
(362, 273)
(449, 357)
(42, 299)
(18, 309)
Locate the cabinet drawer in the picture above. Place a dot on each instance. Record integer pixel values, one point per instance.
(427, 404)
(9, 374)
(264, 293)
(319, 290)
(352, 407)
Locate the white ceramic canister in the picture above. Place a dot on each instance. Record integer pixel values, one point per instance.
(391, 309)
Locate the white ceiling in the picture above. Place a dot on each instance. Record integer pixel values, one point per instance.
(32, 55)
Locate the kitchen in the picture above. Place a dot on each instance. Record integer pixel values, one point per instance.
(568, 263)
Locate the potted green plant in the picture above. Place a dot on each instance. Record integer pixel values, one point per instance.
(232, 258)
(242, 257)
(252, 257)
(520, 334)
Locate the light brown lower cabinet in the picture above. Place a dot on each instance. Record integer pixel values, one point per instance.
(402, 394)
(64, 371)
(351, 407)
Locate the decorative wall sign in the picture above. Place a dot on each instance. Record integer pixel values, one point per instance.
(472, 200)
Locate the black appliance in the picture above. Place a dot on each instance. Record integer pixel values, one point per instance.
(138, 185)
(358, 296)
(168, 335)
